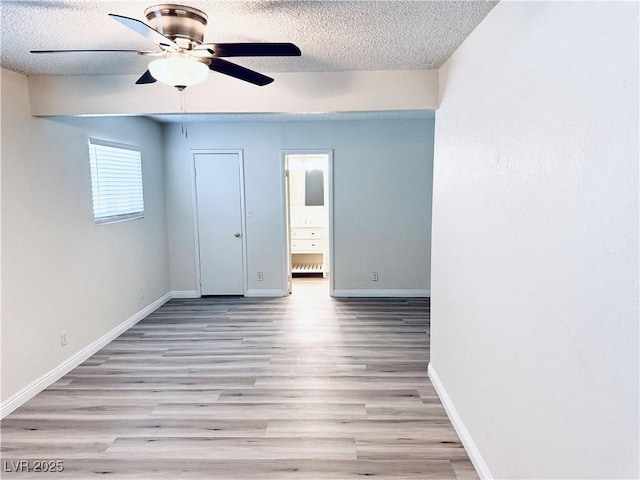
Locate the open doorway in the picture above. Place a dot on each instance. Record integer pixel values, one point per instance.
(309, 221)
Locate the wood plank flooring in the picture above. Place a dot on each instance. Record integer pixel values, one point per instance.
(305, 387)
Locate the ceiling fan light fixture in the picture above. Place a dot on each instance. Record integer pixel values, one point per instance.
(178, 72)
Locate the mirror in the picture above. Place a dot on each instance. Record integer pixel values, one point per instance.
(314, 188)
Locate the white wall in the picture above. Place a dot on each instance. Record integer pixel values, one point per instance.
(535, 245)
(382, 197)
(299, 92)
(60, 271)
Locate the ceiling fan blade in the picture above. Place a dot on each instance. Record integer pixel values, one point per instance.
(253, 49)
(145, 78)
(82, 51)
(144, 30)
(241, 73)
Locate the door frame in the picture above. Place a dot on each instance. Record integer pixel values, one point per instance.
(196, 229)
(285, 212)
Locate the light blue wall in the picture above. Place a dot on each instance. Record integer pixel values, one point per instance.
(382, 197)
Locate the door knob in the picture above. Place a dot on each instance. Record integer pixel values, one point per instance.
(237, 235)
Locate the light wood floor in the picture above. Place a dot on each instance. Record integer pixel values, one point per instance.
(305, 387)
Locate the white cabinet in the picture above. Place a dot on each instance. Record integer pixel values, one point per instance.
(308, 250)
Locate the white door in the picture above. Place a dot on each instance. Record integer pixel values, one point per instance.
(287, 216)
(219, 215)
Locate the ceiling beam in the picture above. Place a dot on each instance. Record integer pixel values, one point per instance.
(304, 92)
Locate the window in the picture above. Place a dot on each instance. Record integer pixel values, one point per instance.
(116, 181)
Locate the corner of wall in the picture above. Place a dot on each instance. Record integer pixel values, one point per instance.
(465, 436)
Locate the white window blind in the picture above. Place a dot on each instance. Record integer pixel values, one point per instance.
(116, 181)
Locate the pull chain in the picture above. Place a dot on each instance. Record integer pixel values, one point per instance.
(183, 113)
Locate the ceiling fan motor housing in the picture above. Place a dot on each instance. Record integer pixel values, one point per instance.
(184, 25)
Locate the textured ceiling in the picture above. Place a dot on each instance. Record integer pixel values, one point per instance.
(333, 35)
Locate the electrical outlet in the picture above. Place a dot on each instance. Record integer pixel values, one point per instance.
(141, 293)
(260, 276)
(374, 276)
(63, 338)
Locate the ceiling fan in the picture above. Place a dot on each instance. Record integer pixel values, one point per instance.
(183, 59)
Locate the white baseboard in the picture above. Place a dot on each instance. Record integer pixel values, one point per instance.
(465, 437)
(185, 294)
(35, 387)
(257, 292)
(381, 293)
